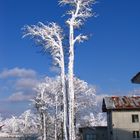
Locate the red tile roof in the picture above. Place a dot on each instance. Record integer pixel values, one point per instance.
(121, 103)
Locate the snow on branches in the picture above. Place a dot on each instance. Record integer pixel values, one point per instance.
(81, 11)
(49, 37)
(47, 120)
(48, 103)
(84, 94)
(80, 38)
(50, 92)
(25, 124)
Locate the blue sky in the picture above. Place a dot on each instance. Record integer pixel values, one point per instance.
(108, 60)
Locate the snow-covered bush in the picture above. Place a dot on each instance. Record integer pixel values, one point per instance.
(24, 125)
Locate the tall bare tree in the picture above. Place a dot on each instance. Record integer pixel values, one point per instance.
(81, 10)
(50, 38)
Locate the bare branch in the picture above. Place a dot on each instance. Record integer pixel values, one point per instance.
(80, 38)
(81, 11)
(48, 36)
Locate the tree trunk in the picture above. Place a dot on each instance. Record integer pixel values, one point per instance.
(71, 84)
(56, 113)
(44, 127)
(65, 103)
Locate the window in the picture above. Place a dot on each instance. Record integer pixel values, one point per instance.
(90, 137)
(135, 118)
(136, 134)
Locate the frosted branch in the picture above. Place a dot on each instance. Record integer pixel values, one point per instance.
(80, 38)
(81, 11)
(48, 36)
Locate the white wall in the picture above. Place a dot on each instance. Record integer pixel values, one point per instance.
(123, 126)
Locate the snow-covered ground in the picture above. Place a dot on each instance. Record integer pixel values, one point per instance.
(6, 136)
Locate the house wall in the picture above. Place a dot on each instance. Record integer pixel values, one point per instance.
(98, 133)
(109, 125)
(101, 133)
(122, 125)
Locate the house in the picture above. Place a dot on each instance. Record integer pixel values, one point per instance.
(123, 117)
(93, 133)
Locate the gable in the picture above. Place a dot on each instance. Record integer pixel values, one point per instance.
(136, 78)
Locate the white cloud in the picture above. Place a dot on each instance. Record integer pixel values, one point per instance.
(17, 72)
(26, 83)
(19, 96)
(20, 82)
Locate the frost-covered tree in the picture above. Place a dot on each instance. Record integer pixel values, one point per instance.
(11, 125)
(40, 103)
(48, 117)
(81, 10)
(28, 123)
(93, 119)
(48, 103)
(85, 104)
(52, 39)
(24, 125)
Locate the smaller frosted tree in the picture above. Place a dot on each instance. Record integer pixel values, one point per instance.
(48, 103)
(94, 119)
(25, 125)
(12, 125)
(28, 123)
(84, 103)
